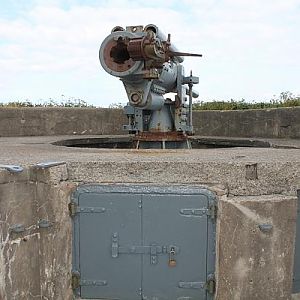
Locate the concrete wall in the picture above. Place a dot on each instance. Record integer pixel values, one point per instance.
(270, 123)
(60, 121)
(253, 263)
(36, 263)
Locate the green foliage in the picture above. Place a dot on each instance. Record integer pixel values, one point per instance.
(285, 99)
(117, 105)
(71, 102)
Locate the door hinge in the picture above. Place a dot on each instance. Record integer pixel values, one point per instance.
(75, 209)
(72, 209)
(213, 211)
(210, 284)
(85, 282)
(191, 284)
(75, 280)
(194, 212)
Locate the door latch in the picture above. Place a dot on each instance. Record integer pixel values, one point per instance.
(153, 249)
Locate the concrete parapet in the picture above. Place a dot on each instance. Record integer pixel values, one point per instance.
(38, 121)
(266, 123)
(279, 177)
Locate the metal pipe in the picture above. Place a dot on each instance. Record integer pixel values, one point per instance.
(191, 102)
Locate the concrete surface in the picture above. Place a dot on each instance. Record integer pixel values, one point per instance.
(254, 186)
(35, 264)
(278, 170)
(253, 264)
(266, 123)
(40, 121)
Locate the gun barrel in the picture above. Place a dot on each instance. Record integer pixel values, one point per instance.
(136, 49)
(176, 53)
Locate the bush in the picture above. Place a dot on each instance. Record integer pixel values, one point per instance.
(71, 102)
(285, 99)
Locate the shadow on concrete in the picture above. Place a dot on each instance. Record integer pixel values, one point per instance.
(127, 142)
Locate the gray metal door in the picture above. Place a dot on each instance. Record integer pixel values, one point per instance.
(100, 274)
(168, 220)
(143, 243)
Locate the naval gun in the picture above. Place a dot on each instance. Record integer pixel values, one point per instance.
(150, 67)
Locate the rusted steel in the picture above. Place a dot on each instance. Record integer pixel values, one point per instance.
(146, 48)
(177, 53)
(135, 49)
(171, 136)
(116, 56)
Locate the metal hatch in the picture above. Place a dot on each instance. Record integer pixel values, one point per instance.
(143, 242)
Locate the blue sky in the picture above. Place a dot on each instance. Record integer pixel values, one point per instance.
(50, 48)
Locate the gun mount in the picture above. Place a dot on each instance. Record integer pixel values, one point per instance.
(150, 67)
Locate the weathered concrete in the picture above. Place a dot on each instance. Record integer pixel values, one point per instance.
(296, 296)
(252, 263)
(278, 170)
(238, 173)
(35, 263)
(60, 121)
(267, 123)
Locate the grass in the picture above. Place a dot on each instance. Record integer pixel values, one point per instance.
(285, 99)
(71, 102)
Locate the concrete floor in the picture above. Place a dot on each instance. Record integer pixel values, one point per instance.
(278, 169)
(30, 150)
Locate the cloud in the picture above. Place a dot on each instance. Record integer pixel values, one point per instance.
(60, 40)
